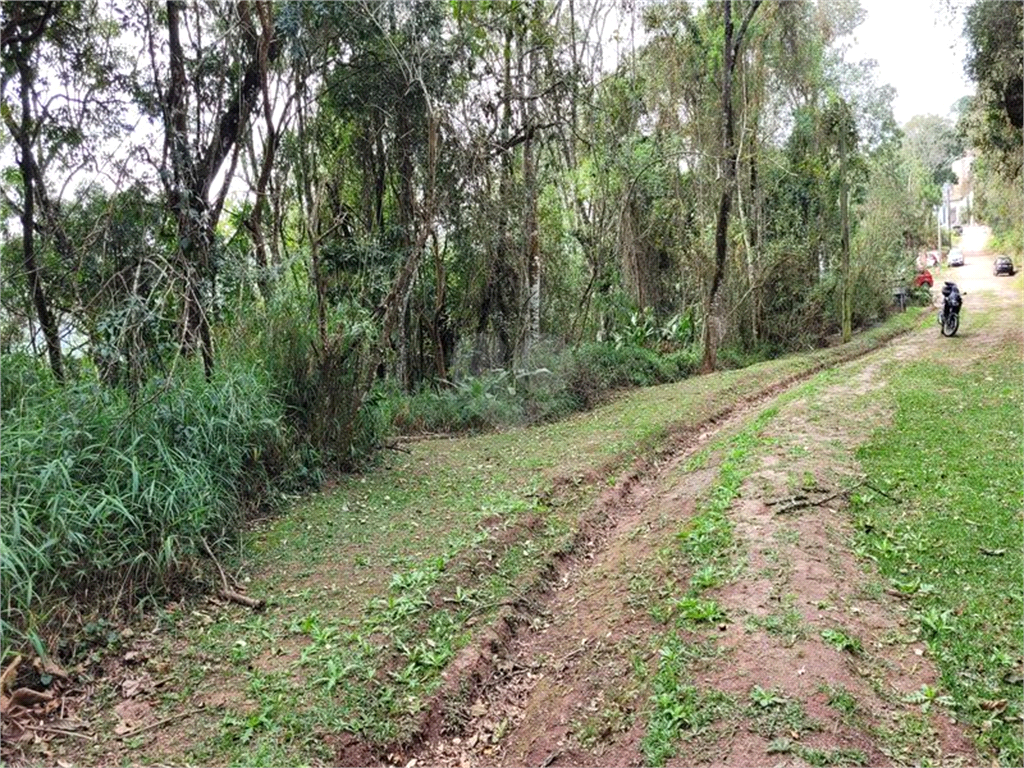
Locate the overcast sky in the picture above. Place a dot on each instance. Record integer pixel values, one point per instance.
(920, 52)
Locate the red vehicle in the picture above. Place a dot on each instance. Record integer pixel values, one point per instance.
(924, 277)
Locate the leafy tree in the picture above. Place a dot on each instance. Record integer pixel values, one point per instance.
(205, 97)
(995, 61)
(65, 105)
(933, 142)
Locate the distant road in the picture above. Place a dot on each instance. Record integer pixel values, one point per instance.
(975, 277)
(974, 238)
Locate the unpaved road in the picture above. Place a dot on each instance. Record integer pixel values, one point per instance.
(563, 689)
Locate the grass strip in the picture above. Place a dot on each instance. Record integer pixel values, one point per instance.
(953, 546)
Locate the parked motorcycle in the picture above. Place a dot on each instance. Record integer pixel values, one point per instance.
(952, 300)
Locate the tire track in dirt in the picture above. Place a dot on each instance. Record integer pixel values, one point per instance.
(564, 691)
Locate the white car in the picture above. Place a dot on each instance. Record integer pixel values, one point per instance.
(956, 258)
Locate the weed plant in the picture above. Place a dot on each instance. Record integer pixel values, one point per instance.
(679, 710)
(316, 380)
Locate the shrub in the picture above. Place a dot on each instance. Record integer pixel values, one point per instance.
(102, 494)
(473, 404)
(567, 381)
(733, 357)
(319, 385)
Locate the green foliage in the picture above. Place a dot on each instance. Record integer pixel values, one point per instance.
(569, 381)
(317, 382)
(104, 493)
(476, 403)
(995, 61)
(736, 356)
(842, 641)
(678, 710)
(999, 202)
(597, 367)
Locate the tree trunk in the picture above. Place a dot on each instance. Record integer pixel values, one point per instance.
(194, 170)
(844, 215)
(533, 244)
(533, 258)
(406, 223)
(19, 47)
(47, 322)
(728, 169)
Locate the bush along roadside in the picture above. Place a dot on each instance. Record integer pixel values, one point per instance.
(105, 494)
(547, 390)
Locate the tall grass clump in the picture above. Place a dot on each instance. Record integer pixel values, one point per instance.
(321, 382)
(102, 494)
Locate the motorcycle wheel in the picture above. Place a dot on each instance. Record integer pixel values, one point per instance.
(949, 328)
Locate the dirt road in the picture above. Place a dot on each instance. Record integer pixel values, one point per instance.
(781, 646)
(975, 276)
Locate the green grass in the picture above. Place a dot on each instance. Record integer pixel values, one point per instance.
(842, 641)
(952, 455)
(102, 494)
(840, 699)
(817, 757)
(788, 624)
(773, 714)
(706, 549)
(615, 715)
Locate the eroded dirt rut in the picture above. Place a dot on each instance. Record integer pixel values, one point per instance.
(572, 684)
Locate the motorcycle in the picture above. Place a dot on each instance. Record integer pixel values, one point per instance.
(949, 317)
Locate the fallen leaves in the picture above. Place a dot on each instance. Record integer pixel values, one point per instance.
(25, 712)
(133, 686)
(996, 705)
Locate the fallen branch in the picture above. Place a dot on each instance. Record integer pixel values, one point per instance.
(878, 490)
(779, 501)
(794, 506)
(425, 436)
(28, 698)
(814, 489)
(897, 593)
(560, 664)
(800, 502)
(9, 675)
(248, 602)
(805, 502)
(229, 594)
(158, 723)
(58, 731)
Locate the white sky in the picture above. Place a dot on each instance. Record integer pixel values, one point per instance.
(920, 52)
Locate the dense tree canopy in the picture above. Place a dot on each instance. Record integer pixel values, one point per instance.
(465, 177)
(990, 123)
